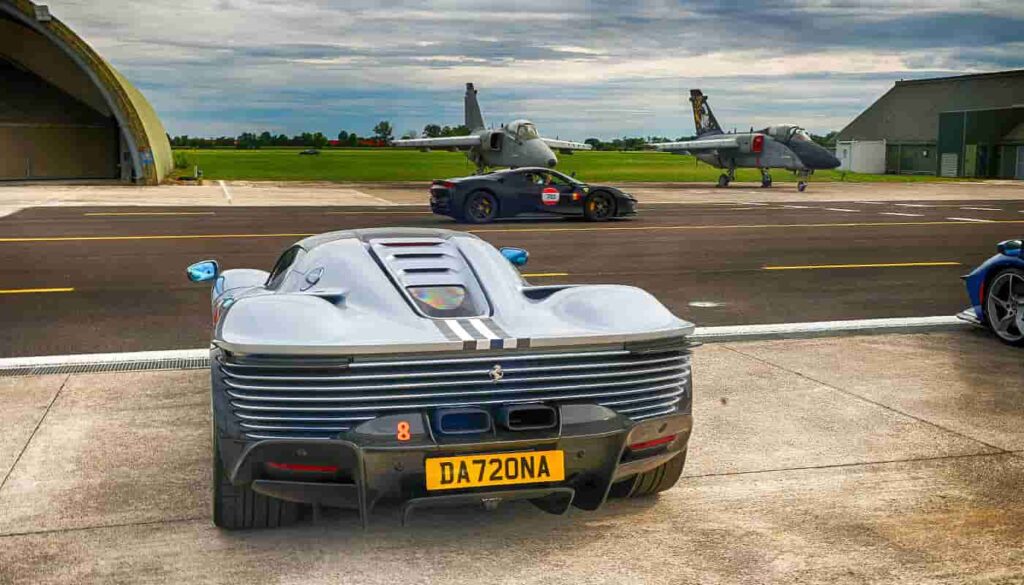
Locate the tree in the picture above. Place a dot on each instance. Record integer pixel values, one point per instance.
(431, 131)
(410, 134)
(353, 139)
(593, 142)
(343, 137)
(318, 140)
(828, 140)
(383, 131)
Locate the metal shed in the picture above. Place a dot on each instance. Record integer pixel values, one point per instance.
(956, 126)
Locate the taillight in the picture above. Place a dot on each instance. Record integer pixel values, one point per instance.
(302, 467)
(652, 443)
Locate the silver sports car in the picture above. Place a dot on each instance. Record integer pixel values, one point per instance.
(418, 365)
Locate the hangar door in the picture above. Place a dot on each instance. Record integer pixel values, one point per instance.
(48, 134)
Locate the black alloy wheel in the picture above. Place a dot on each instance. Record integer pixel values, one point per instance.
(481, 207)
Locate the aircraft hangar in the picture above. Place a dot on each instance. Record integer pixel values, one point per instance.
(65, 113)
(963, 126)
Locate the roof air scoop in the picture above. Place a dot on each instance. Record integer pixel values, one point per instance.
(432, 275)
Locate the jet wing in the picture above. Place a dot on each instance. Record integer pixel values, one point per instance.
(440, 143)
(566, 145)
(699, 145)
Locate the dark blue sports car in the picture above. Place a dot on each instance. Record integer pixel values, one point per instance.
(996, 289)
(527, 192)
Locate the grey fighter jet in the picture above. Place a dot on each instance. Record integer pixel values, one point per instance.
(513, 145)
(781, 146)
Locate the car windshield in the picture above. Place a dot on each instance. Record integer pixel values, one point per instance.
(527, 132)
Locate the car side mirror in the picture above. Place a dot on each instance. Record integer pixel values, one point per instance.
(203, 271)
(517, 256)
(1010, 247)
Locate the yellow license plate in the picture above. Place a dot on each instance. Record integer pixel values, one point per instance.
(487, 469)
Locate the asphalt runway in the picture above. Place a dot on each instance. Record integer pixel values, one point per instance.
(104, 279)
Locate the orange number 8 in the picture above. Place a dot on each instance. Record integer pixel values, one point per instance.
(403, 431)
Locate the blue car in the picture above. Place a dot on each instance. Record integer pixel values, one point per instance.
(996, 289)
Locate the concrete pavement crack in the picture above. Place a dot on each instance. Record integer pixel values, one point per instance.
(865, 399)
(853, 464)
(34, 431)
(103, 526)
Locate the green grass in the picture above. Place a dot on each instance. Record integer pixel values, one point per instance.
(376, 164)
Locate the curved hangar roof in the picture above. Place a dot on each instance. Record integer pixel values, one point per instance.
(65, 113)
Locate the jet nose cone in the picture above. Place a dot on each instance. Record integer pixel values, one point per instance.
(552, 162)
(834, 162)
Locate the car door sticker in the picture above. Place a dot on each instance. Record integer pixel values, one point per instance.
(550, 196)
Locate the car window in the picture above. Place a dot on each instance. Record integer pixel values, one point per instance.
(558, 180)
(282, 265)
(534, 178)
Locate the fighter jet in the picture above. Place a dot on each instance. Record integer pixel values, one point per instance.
(516, 144)
(781, 146)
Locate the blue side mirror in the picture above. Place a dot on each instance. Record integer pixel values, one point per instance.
(517, 256)
(203, 271)
(1010, 247)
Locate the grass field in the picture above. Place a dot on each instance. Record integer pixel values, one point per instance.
(378, 164)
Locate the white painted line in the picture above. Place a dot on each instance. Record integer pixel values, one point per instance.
(727, 333)
(872, 202)
(827, 328)
(841, 209)
(912, 205)
(901, 214)
(103, 358)
(798, 207)
(970, 219)
(982, 208)
(224, 188)
(746, 203)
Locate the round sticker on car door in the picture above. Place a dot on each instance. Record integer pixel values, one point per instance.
(550, 196)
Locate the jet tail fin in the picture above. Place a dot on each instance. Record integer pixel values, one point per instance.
(703, 119)
(474, 119)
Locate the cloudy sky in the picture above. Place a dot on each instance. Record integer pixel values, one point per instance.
(578, 69)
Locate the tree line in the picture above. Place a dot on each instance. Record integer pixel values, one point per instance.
(383, 135)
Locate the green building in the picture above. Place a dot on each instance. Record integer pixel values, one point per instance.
(963, 126)
(65, 113)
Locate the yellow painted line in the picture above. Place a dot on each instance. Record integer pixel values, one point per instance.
(525, 230)
(144, 213)
(746, 226)
(542, 274)
(886, 265)
(161, 237)
(25, 291)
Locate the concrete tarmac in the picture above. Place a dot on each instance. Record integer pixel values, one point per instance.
(105, 279)
(883, 459)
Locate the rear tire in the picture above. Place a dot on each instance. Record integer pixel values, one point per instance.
(599, 207)
(480, 207)
(723, 180)
(651, 482)
(239, 508)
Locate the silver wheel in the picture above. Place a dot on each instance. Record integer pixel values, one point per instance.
(1004, 306)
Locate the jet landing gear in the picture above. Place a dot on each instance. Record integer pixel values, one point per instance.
(801, 185)
(766, 179)
(725, 178)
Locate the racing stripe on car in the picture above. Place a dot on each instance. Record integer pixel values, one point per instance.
(478, 333)
(504, 340)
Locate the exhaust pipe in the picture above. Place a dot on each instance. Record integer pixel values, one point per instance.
(527, 417)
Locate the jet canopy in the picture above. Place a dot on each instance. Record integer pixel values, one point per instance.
(787, 132)
(523, 130)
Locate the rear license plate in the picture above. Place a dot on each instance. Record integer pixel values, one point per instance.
(487, 469)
